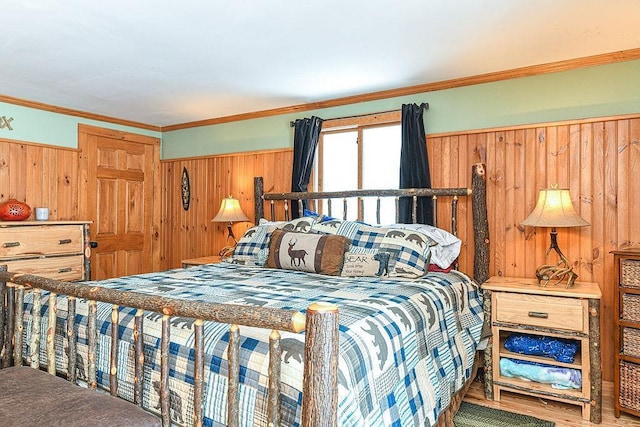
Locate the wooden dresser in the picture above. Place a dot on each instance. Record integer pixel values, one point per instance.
(627, 333)
(518, 305)
(54, 249)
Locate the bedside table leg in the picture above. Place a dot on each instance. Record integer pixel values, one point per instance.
(488, 351)
(594, 356)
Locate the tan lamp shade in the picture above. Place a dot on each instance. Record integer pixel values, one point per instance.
(230, 211)
(554, 209)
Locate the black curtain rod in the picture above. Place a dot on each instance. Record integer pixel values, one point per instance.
(425, 105)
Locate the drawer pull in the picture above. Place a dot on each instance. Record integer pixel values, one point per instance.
(11, 244)
(539, 314)
(65, 241)
(64, 270)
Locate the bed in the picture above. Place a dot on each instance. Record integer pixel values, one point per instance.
(385, 347)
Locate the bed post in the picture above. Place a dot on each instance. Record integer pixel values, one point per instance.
(481, 258)
(258, 192)
(10, 323)
(320, 387)
(480, 223)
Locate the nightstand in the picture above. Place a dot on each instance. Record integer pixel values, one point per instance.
(199, 261)
(522, 306)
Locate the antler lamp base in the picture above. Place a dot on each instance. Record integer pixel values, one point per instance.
(556, 272)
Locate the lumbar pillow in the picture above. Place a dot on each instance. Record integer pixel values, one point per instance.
(314, 253)
(253, 247)
(366, 264)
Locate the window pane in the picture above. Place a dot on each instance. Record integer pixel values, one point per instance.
(340, 169)
(381, 169)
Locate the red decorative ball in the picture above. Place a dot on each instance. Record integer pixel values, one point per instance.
(14, 210)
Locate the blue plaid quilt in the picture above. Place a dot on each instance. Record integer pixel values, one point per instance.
(405, 346)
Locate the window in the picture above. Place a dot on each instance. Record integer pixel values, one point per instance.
(360, 153)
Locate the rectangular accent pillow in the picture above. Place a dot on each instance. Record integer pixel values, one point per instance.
(315, 253)
(253, 247)
(365, 264)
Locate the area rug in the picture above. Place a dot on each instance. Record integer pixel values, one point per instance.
(471, 415)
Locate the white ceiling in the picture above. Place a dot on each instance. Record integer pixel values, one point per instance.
(168, 62)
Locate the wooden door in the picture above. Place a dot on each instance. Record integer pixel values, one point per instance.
(119, 173)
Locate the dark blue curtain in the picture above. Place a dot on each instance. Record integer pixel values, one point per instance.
(305, 141)
(414, 164)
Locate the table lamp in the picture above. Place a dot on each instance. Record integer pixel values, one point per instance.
(230, 212)
(554, 209)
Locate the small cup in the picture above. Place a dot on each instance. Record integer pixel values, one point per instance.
(42, 214)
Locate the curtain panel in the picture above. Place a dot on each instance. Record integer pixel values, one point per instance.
(305, 142)
(414, 164)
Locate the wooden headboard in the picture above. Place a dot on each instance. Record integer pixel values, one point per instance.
(477, 192)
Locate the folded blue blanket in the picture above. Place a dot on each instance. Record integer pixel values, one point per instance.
(562, 350)
(560, 378)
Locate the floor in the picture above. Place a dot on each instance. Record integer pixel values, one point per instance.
(562, 414)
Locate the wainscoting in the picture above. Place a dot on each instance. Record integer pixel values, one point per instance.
(191, 234)
(598, 160)
(41, 175)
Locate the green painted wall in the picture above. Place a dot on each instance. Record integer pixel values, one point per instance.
(45, 127)
(599, 91)
(590, 92)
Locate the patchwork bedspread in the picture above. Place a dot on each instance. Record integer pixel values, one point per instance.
(405, 346)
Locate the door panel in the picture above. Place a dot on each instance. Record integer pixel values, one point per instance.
(120, 170)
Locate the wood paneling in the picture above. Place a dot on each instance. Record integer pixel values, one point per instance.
(40, 175)
(191, 234)
(599, 161)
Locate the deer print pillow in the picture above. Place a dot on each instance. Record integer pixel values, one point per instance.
(314, 253)
(253, 247)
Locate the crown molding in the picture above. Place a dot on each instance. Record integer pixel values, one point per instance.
(552, 67)
(76, 113)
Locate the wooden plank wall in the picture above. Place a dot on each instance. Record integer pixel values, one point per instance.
(598, 160)
(41, 176)
(191, 234)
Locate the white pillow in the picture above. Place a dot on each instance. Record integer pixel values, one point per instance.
(264, 221)
(448, 248)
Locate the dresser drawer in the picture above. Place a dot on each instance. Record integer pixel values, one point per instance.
(538, 310)
(66, 268)
(39, 240)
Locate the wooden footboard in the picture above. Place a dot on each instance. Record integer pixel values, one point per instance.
(320, 397)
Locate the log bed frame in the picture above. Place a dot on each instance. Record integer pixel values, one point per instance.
(320, 395)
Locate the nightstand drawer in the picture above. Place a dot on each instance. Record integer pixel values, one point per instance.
(538, 310)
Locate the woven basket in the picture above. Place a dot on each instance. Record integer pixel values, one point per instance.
(630, 273)
(631, 342)
(631, 307)
(629, 391)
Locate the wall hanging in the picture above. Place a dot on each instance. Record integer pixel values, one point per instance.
(6, 122)
(186, 189)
